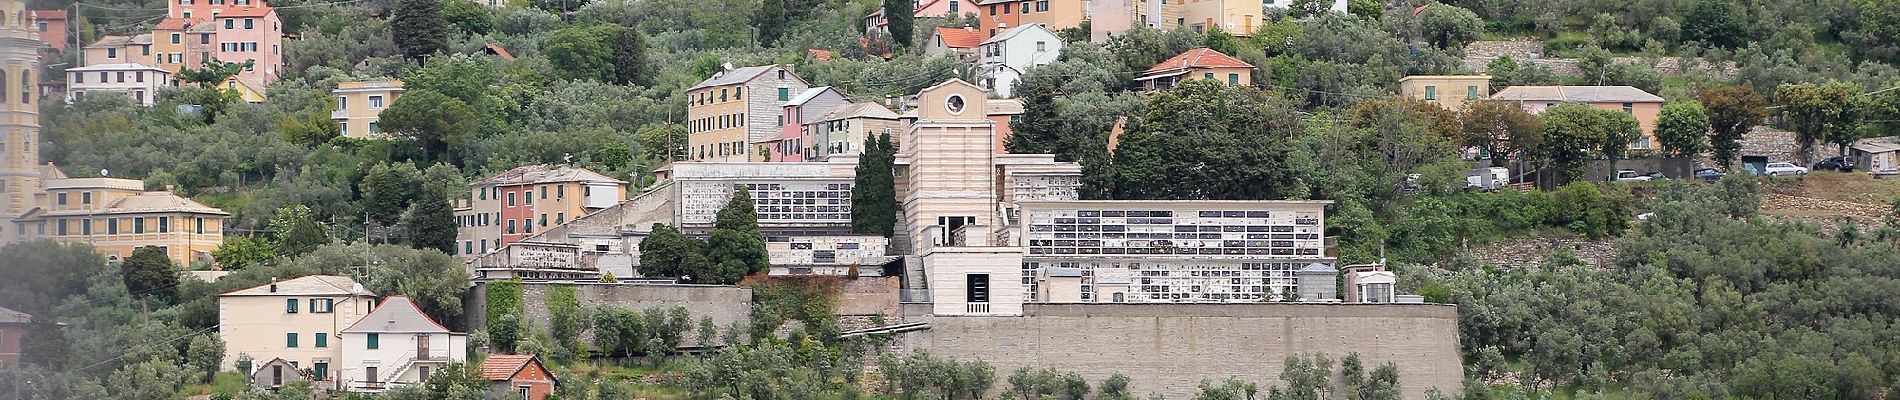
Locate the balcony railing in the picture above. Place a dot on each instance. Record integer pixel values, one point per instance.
(977, 308)
(339, 114)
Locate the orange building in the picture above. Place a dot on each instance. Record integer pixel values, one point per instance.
(1636, 102)
(51, 27)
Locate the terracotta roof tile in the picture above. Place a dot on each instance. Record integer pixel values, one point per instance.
(497, 51)
(821, 55)
(960, 38)
(500, 367)
(244, 12)
(174, 24)
(1198, 58)
(48, 14)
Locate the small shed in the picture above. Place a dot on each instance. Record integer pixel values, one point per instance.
(522, 374)
(1880, 156)
(276, 373)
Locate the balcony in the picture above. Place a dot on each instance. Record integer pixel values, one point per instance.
(339, 114)
(977, 308)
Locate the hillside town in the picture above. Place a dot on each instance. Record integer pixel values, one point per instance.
(995, 199)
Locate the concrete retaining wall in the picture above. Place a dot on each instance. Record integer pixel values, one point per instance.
(725, 304)
(1169, 348)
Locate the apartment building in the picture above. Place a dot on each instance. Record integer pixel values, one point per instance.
(205, 9)
(736, 108)
(359, 105)
(844, 129)
(1002, 59)
(138, 81)
(794, 141)
(299, 320)
(1448, 91)
(13, 331)
(1636, 102)
(513, 205)
(996, 16)
(117, 216)
(253, 34)
(171, 45)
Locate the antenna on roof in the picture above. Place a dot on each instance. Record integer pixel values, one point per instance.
(102, 173)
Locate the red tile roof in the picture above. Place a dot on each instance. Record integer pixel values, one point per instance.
(48, 14)
(174, 24)
(1198, 58)
(497, 51)
(820, 55)
(244, 12)
(501, 367)
(959, 38)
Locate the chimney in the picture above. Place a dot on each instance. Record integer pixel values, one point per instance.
(273, 285)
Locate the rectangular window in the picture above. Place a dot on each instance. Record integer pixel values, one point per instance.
(249, 23)
(112, 226)
(560, 218)
(145, 49)
(1471, 93)
(560, 192)
(177, 38)
(468, 247)
(1207, 76)
(290, 306)
(977, 288)
(322, 340)
(230, 24)
(1431, 93)
(112, 52)
(138, 225)
(290, 340)
(164, 224)
(375, 102)
(85, 226)
(1233, 79)
(373, 341)
(60, 198)
(511, 199)
(544, 192)
(784, 94)
(511, 227)
(201, 225)
(544, 220)
(1629, 108)
(374, 128)
(62, 227)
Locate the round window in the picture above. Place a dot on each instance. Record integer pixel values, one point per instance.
(954, 104)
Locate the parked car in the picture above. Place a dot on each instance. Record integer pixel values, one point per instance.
(1709, 174)
(1631, 176)
(1836, 163)
(1782, 168)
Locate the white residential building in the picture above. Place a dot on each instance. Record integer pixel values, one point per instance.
(1002, 59)
(397, 345)
(139, 81)
(297, 320)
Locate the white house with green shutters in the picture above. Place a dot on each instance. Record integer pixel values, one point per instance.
(397, 345)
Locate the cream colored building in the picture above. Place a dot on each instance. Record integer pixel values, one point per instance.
(1448, 91)
(1200, 63)
(397, 345)
(20, 171)
(119, 50)
(516, 203)
(140, 82)
(117, 216)
(734, 112)
(299, 320)
(359, 103)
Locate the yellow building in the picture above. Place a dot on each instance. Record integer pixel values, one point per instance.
(729, 112)
(1448, 91)
(170, 45)
(359, 103)
(119, 50)
(1200, 63)
(251, 90)
(298, 320)
(20, 173)
(118, 216)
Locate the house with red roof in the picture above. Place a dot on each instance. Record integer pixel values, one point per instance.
(518, 374)
(395, 345)
(876, 23)
(960, 42)
(1199, 63)
(50, 26)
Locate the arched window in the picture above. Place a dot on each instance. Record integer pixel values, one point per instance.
(3, 17)
(26, 87)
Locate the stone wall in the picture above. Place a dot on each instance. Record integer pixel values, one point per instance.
(1169, 348)
(869, 296)
(725, 304)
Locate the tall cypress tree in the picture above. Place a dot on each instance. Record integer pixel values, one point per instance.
(630, 57)
(770, 22)
(418, 28)
(874, 192)
(737, 247)
(430, 224)
(900, 20)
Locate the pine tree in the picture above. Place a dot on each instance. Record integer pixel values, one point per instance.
(900, 20)
(770, 22)
(418, 28)
(874, 192)
(430, 223)
(149, 273)
(1034, 133)
(737, 247)
(630, 58)
(388, 189)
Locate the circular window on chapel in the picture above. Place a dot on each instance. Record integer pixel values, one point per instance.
(954, 104)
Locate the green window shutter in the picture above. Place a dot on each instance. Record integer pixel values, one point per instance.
(290, 306)
(374, 341)
(1431, 93)
(290, 340)
(323, 339)
(784, 94)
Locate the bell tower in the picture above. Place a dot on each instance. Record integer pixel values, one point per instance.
(20, 176)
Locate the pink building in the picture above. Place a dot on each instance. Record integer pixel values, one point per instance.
(205, 9)
(251, 34)
(794, 142)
